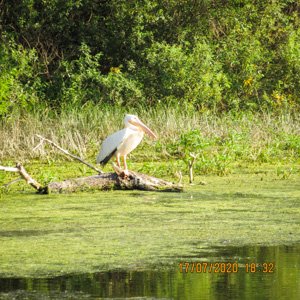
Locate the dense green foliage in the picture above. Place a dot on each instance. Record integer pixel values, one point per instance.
(208, 54)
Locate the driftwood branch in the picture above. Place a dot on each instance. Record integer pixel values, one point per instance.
(66, 152)
(21, 170)
(113, 181)
(12, 182)
(191, 164)
(102, 181)
(9, 169)
(105, 181)
(179, 174)
(30, 180)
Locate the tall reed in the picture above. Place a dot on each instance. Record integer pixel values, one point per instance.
(81, 130)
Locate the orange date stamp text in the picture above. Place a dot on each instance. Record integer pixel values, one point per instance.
(225, 267)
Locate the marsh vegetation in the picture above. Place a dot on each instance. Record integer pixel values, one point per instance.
(218, 80)
(221, 142)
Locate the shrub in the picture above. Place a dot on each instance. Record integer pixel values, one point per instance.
(174, 74)
(82, 81)
(17, 78)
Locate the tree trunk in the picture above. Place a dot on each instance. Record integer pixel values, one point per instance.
(113, 181)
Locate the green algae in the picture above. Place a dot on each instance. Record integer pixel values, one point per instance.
(49, 235)
(170, 283)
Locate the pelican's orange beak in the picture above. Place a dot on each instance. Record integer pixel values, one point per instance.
(145, 128)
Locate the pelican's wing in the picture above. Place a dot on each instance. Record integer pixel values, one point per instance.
(110, 145)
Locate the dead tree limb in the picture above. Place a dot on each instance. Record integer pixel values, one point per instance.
(12, 182)
(104, 181)
(179, 174)
(191, 164)
(113, 181)
(66, 152)
(9, 169)
(29, 179)
(21, 170)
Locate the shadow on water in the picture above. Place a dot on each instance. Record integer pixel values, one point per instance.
(254, 279)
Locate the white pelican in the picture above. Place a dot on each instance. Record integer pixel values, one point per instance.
(124, 141)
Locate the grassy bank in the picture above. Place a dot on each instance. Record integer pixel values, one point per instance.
(221, 142)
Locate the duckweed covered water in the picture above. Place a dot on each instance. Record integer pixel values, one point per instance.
(282, 283)
(129, 244)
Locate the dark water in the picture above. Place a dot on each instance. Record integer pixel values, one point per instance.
(260, 273)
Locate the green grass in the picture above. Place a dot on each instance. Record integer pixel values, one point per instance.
(221, 142)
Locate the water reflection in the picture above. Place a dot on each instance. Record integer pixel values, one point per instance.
(282, 283)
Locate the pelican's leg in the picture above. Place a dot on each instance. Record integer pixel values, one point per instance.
(118, 160)
(125, 166)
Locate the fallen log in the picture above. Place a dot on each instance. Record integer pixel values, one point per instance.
(104, 181)
(113, 181)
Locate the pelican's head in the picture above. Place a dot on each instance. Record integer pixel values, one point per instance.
(132, 120)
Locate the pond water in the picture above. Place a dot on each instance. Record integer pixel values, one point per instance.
(236, 237)
(261, 273)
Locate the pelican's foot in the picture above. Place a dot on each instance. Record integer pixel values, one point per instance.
(125, 173)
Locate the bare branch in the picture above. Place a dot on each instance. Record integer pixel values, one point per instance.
(191, 164)
(11, 182)
(9, 169)
(28, 178)
(21, 170)
(67, 153)
(179, 175)
(38, 145)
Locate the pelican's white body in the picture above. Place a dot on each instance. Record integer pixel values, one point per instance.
(122, 142)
